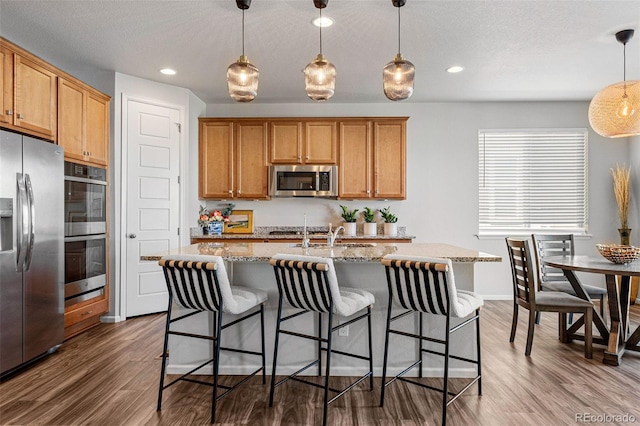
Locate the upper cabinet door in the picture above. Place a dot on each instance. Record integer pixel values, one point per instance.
(6, 91)
(321, 145)
(97, 129)
(286, 142)
(355, 160)
(35, 97)
(251, 160)
(71, 123)
(215, 160)
(389, 153)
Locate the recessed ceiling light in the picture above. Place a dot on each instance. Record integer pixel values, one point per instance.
(168, 71)
(323, 22)
(454, 69)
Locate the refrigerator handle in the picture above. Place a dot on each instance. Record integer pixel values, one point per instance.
(32, 217)
(22, 222)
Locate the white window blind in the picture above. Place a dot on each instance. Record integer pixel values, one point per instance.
(532, 181)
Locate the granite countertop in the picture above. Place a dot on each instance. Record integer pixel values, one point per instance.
(295, 233)
(364, 252)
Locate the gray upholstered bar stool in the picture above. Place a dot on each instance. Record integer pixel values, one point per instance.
(427, 285)
(310, 285)
(201, 285)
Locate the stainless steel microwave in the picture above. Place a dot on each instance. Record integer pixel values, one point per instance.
(303, 181)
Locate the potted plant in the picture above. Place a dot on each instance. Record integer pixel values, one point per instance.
(369, 224)
(211, 222)
(621, 189)
(390, 225)
(349, 217)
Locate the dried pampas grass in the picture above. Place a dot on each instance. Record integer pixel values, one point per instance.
(622, 191)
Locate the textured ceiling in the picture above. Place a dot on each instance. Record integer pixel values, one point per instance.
(511, 50)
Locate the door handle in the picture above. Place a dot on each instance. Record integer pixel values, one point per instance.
(132, 236)
(23, 222)
(32, 218)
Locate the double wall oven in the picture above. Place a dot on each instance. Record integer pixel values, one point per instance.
(85, 242)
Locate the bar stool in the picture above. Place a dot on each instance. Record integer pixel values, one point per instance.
(310, 284)
(200, 284)
(426, 285)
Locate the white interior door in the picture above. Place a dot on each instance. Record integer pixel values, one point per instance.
(152, 201)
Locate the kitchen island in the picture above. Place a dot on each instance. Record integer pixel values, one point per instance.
(357, 265)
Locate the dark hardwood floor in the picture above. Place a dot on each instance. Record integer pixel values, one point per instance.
(109, 376)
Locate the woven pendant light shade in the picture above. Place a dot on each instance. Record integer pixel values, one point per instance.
(612, 115)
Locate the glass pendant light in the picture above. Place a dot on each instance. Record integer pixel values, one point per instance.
(398, 75)
(320, 75)
(614, 111)
(242, 76)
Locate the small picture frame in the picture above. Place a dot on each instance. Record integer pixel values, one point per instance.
(240, 222)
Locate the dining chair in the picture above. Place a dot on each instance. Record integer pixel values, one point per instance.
(553, 279)
(525, 294)
(427, 285)
(310, 285)
(200, 284)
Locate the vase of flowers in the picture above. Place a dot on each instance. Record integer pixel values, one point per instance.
(211, 222)
(370, 227)
(349, 217)
(622, 191)
(390, 225)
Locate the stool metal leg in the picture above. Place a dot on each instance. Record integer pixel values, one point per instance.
(386, 353)
(325, 404)
(264, 372)
(370, 348)
(275, 353)
(478, 349)
(217, 323)
(445, 394)
(320, 343)
(420, 352)
(165, 348)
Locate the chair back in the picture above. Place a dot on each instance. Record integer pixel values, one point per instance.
(421, 284)
(551, 245)
(198, 282)
(306, 282)
(521, 270)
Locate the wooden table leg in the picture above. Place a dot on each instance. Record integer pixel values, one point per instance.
(597, 318)
(619, 310)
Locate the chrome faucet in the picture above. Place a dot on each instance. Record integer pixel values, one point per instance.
(331, 237)
(305, 236)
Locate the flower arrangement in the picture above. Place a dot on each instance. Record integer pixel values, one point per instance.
(349, 216)
(621, 189)
(215, 216)
(368, 215)
(387, 216)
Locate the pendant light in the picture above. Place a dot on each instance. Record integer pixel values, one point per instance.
(614, 111)
(320, 75)
(398, 75)
(242, 76)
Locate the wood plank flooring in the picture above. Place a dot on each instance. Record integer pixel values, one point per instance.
(109, 376)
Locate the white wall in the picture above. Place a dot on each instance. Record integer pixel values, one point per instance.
(442, 188)
(634, 213)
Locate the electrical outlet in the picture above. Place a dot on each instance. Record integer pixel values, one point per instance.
(344, 331)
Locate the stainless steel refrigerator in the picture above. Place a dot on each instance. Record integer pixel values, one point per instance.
(31, 249)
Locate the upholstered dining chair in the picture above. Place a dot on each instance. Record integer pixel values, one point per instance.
(525, 294)
(310, 285)
(426, 285)
(553, 279)
(200, 284)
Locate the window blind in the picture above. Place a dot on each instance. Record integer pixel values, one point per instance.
(532, 181)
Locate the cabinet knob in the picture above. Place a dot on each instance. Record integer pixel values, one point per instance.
(239, 192)
(231, 191)
(20, 116)
(132, 236)
(306, 158)
(298, 157)
(9, 112)
(368, 192)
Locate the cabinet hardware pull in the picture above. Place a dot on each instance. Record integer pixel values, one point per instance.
(9, 112)
(86, 313)
(132, 236)
(20, 116)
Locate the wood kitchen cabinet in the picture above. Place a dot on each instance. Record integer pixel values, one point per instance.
(83, 123)
(233, 159)
(373, 159)
(303, 142)
(29, 93)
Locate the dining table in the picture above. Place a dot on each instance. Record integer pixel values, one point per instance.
(616, 336)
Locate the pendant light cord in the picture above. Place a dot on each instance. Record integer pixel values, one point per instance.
(398, 30)
(321, 31)
(624, 62)
(242, 32)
